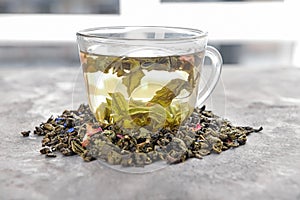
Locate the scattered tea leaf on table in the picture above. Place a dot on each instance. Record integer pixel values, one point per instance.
(199, 135)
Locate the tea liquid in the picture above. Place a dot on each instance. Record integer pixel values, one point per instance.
(162, 82)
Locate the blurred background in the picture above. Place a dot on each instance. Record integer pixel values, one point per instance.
(259, 33)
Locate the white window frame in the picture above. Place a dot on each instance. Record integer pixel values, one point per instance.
(226, 22)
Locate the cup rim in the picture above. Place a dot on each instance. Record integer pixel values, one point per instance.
(198, 34)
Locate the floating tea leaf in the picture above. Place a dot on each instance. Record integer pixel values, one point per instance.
(172, 89)
(102, 113)
(119, 106)
(133, 79)
(156, 63)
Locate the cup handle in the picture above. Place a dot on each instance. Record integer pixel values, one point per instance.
(212, 81)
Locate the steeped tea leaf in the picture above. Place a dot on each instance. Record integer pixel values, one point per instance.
(138, 110)
(119, 106)
(172, 89)
(89, 66)
(136, 103)
(133, 79)
(141, 119)
(191, 78)
(159, 63)
(108, 101)
(103, 64)
(101, 112)
(158, 117)
(127, 123)
(177, 113)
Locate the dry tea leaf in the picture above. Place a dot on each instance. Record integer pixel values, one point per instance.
(199, 135)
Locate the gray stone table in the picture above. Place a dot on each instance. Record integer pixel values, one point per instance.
(267, 167)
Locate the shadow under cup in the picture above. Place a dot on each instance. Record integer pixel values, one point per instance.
(146, 79)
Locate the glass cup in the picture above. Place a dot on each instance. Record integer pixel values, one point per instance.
(146, 77)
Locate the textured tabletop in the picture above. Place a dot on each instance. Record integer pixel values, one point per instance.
(267, 167)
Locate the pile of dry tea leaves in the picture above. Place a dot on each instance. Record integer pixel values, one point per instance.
(77, 132)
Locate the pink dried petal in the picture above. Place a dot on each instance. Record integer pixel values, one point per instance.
(187, 58)
(85, 142)
(120, 136)
(91, 131)
(198, 127)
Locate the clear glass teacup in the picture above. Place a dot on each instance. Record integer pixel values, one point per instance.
(146, 77)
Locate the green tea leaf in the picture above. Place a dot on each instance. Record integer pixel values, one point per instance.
(153, 117)
(133, 79)
(101, 114)
(139, 115)
(187, 64)
(159, 63)
(119, 106)
(181, 112)
(158, 117)
(177, 113)
(127, 123)
(191, 78)
(172, 89)
(169, 117)
(138, 110)
(136, 103)
(89, 66)
(116, 65)
(108, 101)
(141, 120)
(175, 62)
(103, 64)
